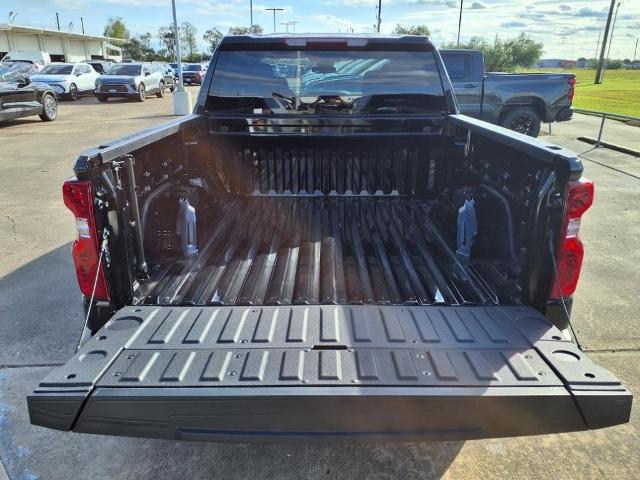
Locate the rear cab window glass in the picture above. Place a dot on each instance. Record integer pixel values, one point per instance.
(300, 82)
(458, 66)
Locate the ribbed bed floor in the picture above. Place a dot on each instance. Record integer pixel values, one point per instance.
(311, 250)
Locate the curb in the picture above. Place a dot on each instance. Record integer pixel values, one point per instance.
(611, 146)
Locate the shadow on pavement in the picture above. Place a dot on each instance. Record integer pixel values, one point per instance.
(40, 311)
(41, 317)
(29, 451)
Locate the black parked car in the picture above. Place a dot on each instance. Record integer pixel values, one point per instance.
(20, 97)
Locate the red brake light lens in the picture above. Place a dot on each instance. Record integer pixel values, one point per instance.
(571, 253)
(572, 88)
(78, 197)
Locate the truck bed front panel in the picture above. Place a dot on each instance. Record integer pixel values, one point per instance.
(328, 373)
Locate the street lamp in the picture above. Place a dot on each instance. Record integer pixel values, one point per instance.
(274, 10)
(294, 26)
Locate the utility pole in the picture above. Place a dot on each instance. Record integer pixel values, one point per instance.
(379, 16)
(274, 10)
(250, 14)
(613, 28)
(82, 23)
(598, 79)
(58, 20)
(460, 21)
(597, 45)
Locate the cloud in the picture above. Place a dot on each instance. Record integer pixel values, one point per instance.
(478, 6)
(334, 23)
(589, 12)
(351, 3)
(513, 24)
(565, 8)
(436, 3)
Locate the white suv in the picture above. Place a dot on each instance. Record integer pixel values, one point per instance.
(132, 80)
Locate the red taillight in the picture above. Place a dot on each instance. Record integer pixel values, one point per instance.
(571, 252)
(572, 88)
(78, 197)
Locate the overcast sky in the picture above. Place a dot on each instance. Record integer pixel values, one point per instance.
(568, 29)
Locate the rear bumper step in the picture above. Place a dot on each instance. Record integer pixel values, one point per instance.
(328, 374)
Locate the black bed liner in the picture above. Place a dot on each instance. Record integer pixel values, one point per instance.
(314, 250)
(328, 373)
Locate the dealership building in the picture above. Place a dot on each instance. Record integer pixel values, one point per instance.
(61, 46)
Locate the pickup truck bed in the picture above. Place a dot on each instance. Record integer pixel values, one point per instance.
(372, 270)
(282, 251)
(328, 373)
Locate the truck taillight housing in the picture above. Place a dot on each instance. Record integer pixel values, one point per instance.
(571, 251)
(572, 88)
(78, 197)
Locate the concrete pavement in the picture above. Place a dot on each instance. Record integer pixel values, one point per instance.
(40, 318)
(618, 133)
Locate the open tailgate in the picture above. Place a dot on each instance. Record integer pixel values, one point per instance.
(328, 373)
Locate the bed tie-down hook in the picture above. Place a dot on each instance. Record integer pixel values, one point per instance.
(467, 230)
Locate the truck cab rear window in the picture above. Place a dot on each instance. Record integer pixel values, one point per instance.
(317, 82)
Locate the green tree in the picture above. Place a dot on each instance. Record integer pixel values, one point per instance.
(213, 36)
(505, 55)
(188, 38)
(614, 64)
(167, 40)
(252, 30)
(139, 48)
(412, 30)
(116, 28)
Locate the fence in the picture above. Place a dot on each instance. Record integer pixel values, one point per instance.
(604, 116)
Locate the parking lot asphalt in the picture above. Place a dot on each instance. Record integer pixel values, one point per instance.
(40, 319)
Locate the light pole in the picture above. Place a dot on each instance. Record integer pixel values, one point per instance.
(181, 98)
(460, 21)
(379, 20)
(250, 15)
(635, 50)
(293, 24)
(274, 10)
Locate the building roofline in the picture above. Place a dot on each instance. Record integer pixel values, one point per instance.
(46, 31)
